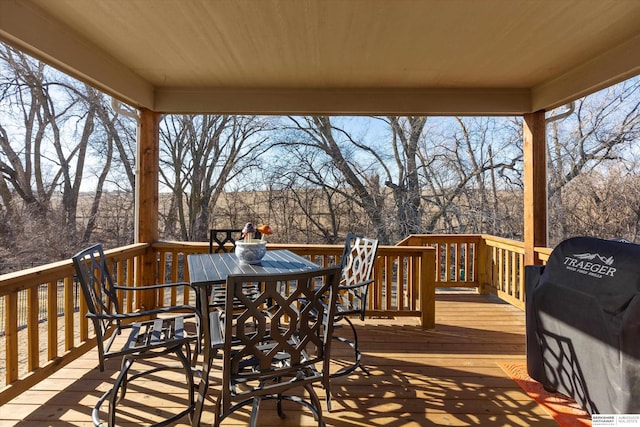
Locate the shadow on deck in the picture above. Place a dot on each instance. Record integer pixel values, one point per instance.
(446, 376)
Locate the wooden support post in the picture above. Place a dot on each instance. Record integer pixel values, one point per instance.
(148, 161)
(428, 288)
(535, 185)
(483, 267)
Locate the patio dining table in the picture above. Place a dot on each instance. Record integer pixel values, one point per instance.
(207, 270)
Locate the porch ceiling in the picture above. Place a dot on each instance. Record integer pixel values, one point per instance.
(334, 56)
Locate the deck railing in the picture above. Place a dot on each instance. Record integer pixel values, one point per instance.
(489, 263)
(505, 268)
(457, 258)
(406, 277)
(403, 275)
(35, 347)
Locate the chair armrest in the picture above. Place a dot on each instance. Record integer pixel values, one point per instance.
(356, 285)
(150, 287)
(183, 309)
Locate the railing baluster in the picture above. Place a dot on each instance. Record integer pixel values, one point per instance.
(11, 337)
(84, 322)
(162, 265)
(375, 297)
(175, 264)
(129, 279)
(52, 320)
(33, 335)
(69, 313)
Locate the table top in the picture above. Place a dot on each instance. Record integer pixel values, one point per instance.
(210, 269)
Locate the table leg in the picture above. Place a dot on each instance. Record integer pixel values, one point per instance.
(205, 328)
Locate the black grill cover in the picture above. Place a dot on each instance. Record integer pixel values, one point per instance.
(583, 324)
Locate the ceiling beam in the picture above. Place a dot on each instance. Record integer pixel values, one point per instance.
(345, 101)
(607, 69)
(28, 29)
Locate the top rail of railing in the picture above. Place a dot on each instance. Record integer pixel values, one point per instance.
(29, 278)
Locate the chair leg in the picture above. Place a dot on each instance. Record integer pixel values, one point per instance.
(118, 390)
(195, 354)
(113, 395)
(356, 353)
(315, 402)
(280, 411)
(95, 414)
(123, 378)
(203, 388)
(188, 372)
(218, 414)
(356, 363)
(254, 411)
(356, 349)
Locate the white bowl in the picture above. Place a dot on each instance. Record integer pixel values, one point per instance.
(251, 252)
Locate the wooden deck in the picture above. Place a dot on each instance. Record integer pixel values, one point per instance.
(446, 376)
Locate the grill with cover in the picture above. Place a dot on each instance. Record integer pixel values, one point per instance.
(583, 324)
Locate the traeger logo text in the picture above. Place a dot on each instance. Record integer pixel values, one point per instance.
(591, 264)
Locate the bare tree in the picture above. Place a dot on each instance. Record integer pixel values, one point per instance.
(113, 149)
(447, 177)
(362, 179)
(51, 130)
(407, 132)
(25, 94)
(604, 203)
(200, 155)
(304, 201)
(600, 131)
(460, 165)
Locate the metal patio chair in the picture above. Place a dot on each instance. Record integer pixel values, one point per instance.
(274, 343)
(358, 258)
(147, 335)
(224, 239)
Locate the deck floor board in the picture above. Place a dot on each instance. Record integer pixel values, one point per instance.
(447, 376)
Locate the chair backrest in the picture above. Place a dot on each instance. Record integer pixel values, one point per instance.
(99, 292)
(358, 258)
(274, 339)
(223, 240)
